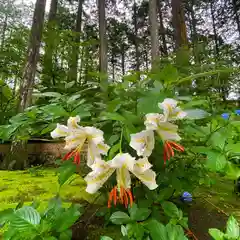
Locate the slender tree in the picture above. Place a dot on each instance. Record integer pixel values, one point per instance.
(75, 48)
(179, 25)
(153, 30)
(25, 93)
(103, 60)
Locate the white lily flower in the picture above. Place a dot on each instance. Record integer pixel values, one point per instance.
(123, 164)
(170, 110)
(143, 142)
(166, 130)
(76, 136)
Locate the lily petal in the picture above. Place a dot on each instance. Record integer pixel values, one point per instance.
(142, 165)
(100, 174)
(143, 142)
(60, 131)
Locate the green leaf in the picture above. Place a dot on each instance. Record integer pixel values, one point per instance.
(25, 218)
(66, 219)
(216, 234)
(48, 94)
(216, 161)
(217, 140)
(82, 111)
(114, 149)
(135, 230)
(165, 194)
(67, 170)
(113, 116)
(232, 228)
(168, 74)
(66, 235)
(233, 148)
(157, 230)
(124, 230)
(6, 215)
(175, 232)
(139, 214)
(69, 84)
(170, 209)
(105, 238)
(73, 98)
(193, 114)
(55, 110)
(119, 218)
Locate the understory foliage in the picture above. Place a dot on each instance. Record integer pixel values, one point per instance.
(211, 144)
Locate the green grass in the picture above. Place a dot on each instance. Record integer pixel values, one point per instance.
(40, 185)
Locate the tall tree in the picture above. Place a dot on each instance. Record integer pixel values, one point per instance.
(25, 93)
(136, 40)
(75, 49)
(153, 30)
(48, 70)
(162, 29)
(235, 4)
(103, 60)
(179, 25)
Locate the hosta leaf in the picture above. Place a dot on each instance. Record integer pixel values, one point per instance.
(25, 218)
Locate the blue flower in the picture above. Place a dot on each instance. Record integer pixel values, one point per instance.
(186, 197)
(225, 116)
(237, 112)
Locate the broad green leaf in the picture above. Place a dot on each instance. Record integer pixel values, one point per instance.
(175, 232)
(55, 110)
(216, 161)
(157, 230)
(119, 218)
(168, 74)
(48, 94)
(232, 228)
(67, 218)
(196, 114)
(69, 84)
(74, 97)
(25, 218)
(217, 140)
(233, 148)
(170, 209)
(82, 111)
(105, 238)
(113, 116)
(67, 170)
(135, 230)
(139, 214)
(124, 230)
(6, 215)
(165, 194)
(113, 150)
(195, 103)
(216, 234)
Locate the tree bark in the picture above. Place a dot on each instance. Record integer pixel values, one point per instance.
(75, 48)
(48, 71)
(4, 31)
(123, 60)
(103, 60)
(154, 31)
(29, 72)
(179, 24)
(136, 37)
(162, 30)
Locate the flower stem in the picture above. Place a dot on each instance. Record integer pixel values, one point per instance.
(120, 143)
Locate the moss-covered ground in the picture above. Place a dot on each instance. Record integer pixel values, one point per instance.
(39, 185)
(42, 184)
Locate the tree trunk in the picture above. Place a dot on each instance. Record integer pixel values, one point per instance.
(234, 3)
(193, 24)
(17, 158)
(214, 30)
(4, 31)
(154, 31)
(136, 37)
(75, 48)
(103, 60)
(48, 71)
(123, 60)
(162, 30)
(179, 24)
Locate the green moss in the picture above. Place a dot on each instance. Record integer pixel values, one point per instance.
(39, 185)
